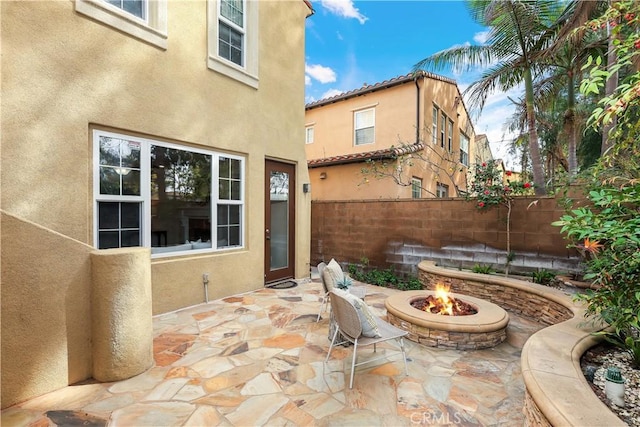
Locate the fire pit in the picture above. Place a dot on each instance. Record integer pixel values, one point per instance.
(467, 330)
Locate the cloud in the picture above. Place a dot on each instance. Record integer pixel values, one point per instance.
(307, 80)
(320, 73)
(481, 37)
(344, 8)
(330, 93)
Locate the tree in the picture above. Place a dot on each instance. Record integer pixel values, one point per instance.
(519, 30)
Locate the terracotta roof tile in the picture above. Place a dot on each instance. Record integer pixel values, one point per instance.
(387, 153)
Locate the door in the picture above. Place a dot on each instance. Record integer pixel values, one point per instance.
(279, 250)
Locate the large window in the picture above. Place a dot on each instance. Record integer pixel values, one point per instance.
(450, 135)
(233, 39)
(364, 125)
(434, 125)
(143, 19)
(464, 149)
(165, 196)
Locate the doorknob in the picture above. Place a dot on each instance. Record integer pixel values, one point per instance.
(268, 234)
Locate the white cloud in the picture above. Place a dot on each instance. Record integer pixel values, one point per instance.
(481, 37)
(307, 80)
(320, 73)
(330, 93)
(344, 8)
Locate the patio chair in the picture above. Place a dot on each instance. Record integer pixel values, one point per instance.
(325, 296)
(350, 326)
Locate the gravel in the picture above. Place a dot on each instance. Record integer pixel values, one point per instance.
(594, 364)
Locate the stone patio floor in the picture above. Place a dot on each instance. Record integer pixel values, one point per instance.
(258, 359)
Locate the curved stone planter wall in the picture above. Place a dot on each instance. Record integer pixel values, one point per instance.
(557, 393)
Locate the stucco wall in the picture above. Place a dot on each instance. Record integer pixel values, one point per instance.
(399, 120)
(63, 75)
(46, 310)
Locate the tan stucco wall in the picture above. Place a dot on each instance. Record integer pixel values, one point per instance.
(122, 327)
(396, 122)
(63, 75)
(46, 315)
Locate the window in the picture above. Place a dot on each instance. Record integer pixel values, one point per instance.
(143, 19)
(449, 135)
(309, 134)
(434, 126)
(364, 124)
(443, 122)
(416, 188)
(464, 149)
(231, 31)
(165, 196)
(442, 190)
(233, 39)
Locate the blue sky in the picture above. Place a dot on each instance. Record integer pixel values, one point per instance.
(350, 43)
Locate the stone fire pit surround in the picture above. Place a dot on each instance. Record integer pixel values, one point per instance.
(485, 329)
(556, 392)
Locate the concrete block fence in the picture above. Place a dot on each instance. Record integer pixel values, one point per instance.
(451, 232)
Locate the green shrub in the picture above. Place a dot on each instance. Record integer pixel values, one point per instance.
(543, 277)
(482, 269)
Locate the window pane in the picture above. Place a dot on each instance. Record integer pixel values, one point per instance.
(230, 44)
(180, 197)
(108, 215)
(234, 236)
(234, 214)
(130, 154)
(235, 190)
(235, 169)
(108, 240)
(109, 151)
(224, 189)
(364, 136)
(130, 238)
(364, 119)
(135, 7)
(131, 182)
(109, 181)
(223, 215)
(130, 215)
(232, 10)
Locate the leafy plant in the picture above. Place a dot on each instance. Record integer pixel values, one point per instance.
(482, 269)
(543, 276)
(344, 282)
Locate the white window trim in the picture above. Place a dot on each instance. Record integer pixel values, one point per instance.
(249, 73)
(434, 126)
(153, 30)
(416, 182)
(145, 191)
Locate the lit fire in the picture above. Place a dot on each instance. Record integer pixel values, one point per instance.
(443, 303)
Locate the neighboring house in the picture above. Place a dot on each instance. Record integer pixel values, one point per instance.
(482, 150)
(168, 125)
(412, 133)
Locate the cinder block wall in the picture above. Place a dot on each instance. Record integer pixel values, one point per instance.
(401, 233)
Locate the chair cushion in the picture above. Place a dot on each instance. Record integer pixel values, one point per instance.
(332, 274)
(367, 319)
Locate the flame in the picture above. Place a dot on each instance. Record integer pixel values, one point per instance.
(445, 302)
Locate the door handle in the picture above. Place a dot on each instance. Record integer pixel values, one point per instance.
(268, 234)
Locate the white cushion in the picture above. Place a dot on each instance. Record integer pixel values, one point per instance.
(332, 274)
(367, 320)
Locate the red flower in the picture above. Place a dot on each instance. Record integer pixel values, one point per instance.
(481, 204)
(629, 17)
(527, 185)
(508, 173)
(507, 189)
(487, 192)
(484, 164)
(637, 44)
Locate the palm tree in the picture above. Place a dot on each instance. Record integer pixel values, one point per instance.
(519, 29)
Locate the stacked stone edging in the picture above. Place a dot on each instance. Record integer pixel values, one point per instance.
(556, 392)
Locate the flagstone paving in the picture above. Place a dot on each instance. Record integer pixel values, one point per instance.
(258, 359)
